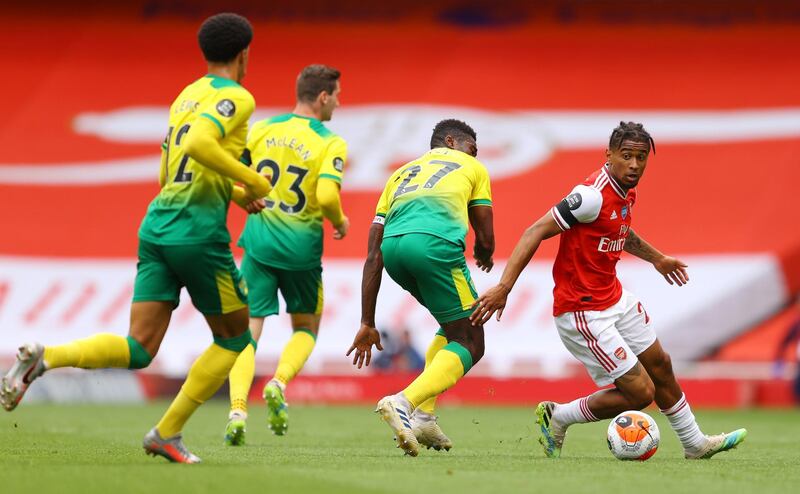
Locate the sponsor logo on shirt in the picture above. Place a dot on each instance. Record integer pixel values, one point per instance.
(226, 108)
(614, 214)
(338, 164)
(608, 245)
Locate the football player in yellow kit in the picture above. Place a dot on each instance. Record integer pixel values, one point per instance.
(183, 242)
(418, 235)
(283, 243)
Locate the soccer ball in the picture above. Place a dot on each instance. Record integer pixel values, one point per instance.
(633, 435)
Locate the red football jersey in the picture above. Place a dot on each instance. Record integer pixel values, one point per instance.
(595, 219)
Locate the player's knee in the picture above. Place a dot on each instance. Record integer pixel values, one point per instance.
(644, 396)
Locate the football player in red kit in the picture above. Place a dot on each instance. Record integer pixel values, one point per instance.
(601, 324)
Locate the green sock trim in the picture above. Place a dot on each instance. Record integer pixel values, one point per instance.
(463, 354)
(235, 344)
(306, 330)
(254, 343)
(139, 356)
(441, 333)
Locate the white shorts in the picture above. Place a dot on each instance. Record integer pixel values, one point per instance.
(607, 341)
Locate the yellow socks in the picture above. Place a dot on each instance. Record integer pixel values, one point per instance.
(295, 354)
(447, 367)
(95, 352)
(439, 341)
(241, 377)
(205, 377)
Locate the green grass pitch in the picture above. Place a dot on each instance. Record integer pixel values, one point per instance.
(87, 449)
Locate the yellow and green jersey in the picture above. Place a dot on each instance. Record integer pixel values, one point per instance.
(298, 152)
(432, 195)
(192, 205)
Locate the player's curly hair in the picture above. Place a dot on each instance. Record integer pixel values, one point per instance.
(630, 131)
(223, 36)
(314, 79)
(456, 128)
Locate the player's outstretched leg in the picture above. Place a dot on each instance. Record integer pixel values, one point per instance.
(28, 366)
(171, 448)
(98, 351)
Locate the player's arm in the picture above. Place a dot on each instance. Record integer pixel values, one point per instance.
(202, 144)
(494, 299)
(582, 205)
(330, 202)
(330, 183)
(370, 285)
(482, 220)
(673, 270)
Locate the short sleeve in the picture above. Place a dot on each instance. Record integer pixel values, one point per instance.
(582, 205)
(482, 189)
(333, 163)
(382, 209)
(230, 108)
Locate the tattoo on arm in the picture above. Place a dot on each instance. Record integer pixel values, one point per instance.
(636, 245)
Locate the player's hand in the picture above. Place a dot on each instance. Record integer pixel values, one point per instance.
(493, 300)
(485, 264)
(341, 230)
(673, 270)
(362, 344)
(255, 207)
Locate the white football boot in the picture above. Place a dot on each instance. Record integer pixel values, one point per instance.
(428, 433)
(29, 366)
(395, 412)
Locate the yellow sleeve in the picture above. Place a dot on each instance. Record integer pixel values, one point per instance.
(202, 144)
(230, 108)
(482, 189)
(382, 209)
(162, 174)
(332, 166)
(330, 201)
